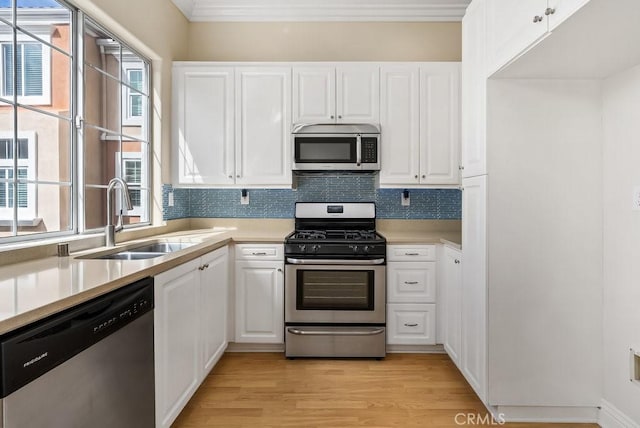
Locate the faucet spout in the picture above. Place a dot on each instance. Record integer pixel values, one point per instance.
(110, 229)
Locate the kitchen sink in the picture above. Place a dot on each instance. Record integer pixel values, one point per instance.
(146, 251)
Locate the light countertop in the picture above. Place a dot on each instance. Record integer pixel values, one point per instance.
(35, 289)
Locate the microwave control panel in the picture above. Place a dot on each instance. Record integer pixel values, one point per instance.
(369, 150)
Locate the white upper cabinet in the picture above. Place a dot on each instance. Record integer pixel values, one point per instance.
(358, 94)
(420, 123)
(343, 94)
(204, 124)
(263, 125)
(314, 91)
(513, 27)
(440, 123)
(474, 91)
(400, 123)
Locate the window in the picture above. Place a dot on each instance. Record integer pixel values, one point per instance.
(59, 69)
(14, 187)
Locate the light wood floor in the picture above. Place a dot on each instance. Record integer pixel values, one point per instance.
(258, 390)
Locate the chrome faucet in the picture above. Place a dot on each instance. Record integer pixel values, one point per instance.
(110, 230)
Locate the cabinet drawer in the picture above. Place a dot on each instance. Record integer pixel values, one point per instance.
(415, 253)
(411, 324)
(259, 252)
(411, 282)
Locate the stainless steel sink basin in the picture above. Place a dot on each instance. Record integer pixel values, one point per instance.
(146, 251)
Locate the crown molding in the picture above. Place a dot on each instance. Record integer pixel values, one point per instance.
(322, 10)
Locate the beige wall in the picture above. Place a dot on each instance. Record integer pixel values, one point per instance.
(158, 30)
(323, 41)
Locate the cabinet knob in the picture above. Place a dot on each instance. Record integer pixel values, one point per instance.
(339, 116)
(231, 176)
(238, 176)
(456, 261)
(279, 270)
(416, 176)
(549, 11)
(332, 117)
(424, 176)
(461, 167)
(537, 19)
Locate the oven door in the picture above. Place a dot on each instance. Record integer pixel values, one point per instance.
(335, 293)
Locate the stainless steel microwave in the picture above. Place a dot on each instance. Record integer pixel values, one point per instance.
(336, 147)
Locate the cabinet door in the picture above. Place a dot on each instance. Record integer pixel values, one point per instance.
(474, 283)
(314, 95)
(358, 94)
(474, 91)
(204, 119)
(452, 303)
(263, 121)
(440, 123)
(511, 29)
(259, 302)
(411, 282)
(559, 10)
(411, 324)
(176, 340)
(400, 123)
(214, 289)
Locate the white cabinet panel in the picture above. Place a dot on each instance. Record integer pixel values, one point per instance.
(511, 29)
(400, 123)
(214, 290)
(562, 9)
(263, 121)
(440, 123)
(411, 253)
(409, 324)
(358, 94)
(474, 283)
(204, 124)
(314, 91)
(259, 301)
(177, 339)
(451, 302)
(410, 282)
(474, 91)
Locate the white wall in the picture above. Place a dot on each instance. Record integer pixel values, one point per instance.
(545, 242)
(621, 239)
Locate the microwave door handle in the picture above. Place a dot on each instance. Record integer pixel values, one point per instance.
(358, 150)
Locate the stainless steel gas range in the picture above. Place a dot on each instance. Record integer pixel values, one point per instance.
(335, 296)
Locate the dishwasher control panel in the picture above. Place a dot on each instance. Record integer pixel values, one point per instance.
(33, 350)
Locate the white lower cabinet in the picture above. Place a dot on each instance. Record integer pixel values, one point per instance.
(189, 329)
(451, 302)
(411, 324)
(259, 293)
(411, 295)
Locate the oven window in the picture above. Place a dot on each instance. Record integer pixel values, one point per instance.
(335, 290)
(325, 149)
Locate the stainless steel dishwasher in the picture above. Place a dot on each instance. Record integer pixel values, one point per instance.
(90, 366)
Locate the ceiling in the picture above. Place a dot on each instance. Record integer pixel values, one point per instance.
(322, 10)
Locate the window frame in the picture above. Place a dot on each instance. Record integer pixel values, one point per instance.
(21, 39)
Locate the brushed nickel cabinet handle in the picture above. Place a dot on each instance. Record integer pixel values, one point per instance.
(411, 282)
(549, 11)
(537, 19)
(410, 325)
(411, 254)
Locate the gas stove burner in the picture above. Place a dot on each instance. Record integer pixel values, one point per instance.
(311, 234)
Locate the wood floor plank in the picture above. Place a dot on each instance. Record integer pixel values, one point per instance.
(265, 390)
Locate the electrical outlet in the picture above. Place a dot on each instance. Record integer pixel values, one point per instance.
(244, 200)
(635, 201)
(171, 201)
(405, 202)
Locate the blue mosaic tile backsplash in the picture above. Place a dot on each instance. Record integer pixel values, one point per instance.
(442, 204)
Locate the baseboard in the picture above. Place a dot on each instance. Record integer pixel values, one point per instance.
(415, 349)
(612, 417)
(255, 347)
(547, 414)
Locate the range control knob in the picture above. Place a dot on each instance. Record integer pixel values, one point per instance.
(315, 248)
(366, 249)
(302, 248)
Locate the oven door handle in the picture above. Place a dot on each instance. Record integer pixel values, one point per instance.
(334, 262)
(301, 332)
